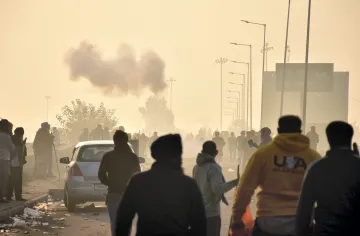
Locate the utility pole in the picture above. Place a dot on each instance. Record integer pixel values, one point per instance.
(221, 61)
(171, 80)
(306, 66)
(47, 107)
(288, 52)
(285, 60)
(267, 49)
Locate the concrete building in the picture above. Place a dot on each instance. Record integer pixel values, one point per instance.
(327, 98)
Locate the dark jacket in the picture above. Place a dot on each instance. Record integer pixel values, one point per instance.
(166, 201)
(43, 142)
(117, 167)
(21, 150)
(334, 184)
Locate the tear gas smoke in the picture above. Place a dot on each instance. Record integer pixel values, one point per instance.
(121, 75)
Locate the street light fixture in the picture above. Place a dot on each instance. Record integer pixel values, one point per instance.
(249, 99)
(263, 67)
(250, 88)
(221, 61)
(238, 106)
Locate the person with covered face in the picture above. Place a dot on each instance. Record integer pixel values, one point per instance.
(166, 201)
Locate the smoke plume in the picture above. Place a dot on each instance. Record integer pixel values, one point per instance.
(122, 75)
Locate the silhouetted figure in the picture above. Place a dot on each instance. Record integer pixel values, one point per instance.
(16, 171)
(332, 183)
(143, 143)
(277, 169)
(265, 138)
(166, 201)
(153, 138)
(220, 143)
(115, 171)
(97, 133)
(43, 145)
(209, 177)
(7, 154)
(106, 134)
(241, 143)
(232, 146)
(84, 136)
(314, 138)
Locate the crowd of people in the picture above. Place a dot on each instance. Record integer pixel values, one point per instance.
(300, 192)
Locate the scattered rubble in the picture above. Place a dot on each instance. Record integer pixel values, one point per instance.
(39, 216)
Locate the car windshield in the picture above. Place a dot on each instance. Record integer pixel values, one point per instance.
(94, 153)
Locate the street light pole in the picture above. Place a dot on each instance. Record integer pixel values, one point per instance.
(221, 61)
(267, 49)
(249, 88)
(237, 106)
(285, 57)
(306, 66)
(171, 80)
(249, 98)
(47, 107)
(263, 68)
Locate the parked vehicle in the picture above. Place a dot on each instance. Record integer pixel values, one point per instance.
(81, 177)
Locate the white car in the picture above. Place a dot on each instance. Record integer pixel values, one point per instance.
(81, 178)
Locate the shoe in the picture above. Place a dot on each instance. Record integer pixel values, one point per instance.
(3, 201)
(8, 199)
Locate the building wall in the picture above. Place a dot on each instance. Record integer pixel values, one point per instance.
(322, 107)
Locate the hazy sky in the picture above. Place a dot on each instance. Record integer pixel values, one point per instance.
(189, 35)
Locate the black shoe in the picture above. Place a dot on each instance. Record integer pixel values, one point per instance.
(3, 201)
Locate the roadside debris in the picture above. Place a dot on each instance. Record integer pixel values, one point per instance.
(40, 215)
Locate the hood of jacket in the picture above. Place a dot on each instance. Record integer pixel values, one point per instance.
(203, 158)
(292, 142)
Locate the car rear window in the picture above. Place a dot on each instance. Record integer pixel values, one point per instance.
(94, 153)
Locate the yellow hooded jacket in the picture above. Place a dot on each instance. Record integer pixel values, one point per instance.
(278, 169)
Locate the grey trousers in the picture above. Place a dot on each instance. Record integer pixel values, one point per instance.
(113, 206)
(4, 177)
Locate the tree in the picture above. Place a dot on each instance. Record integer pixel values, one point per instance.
(80, 114)
(157, 116)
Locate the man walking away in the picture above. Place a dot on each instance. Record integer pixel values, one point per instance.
(166, 201)
(116, 169)
(265, 135)
(56, 134)
(278, 169)
(220, 143)
(16, 172)
(209, 177)
(7, 153)
(232, 146)
(332, 183)
(240, 143)
(314, 138)
(43, 146)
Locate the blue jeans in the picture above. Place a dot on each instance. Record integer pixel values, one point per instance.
(113, 206)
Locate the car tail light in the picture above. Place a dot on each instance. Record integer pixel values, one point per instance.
(75, 170)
